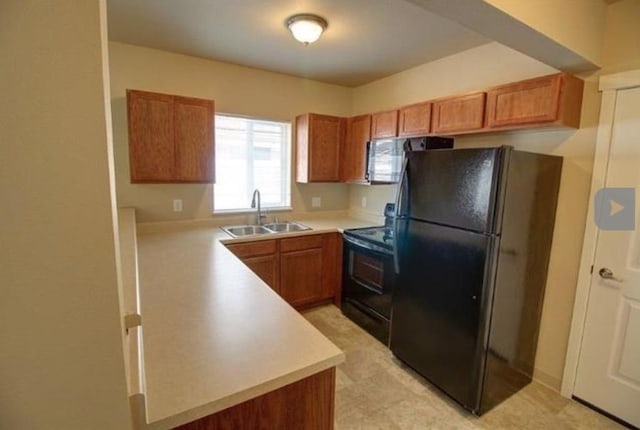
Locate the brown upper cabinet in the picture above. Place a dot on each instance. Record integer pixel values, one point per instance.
(414, 120)
(332, 149)
(552, 100)
(171, 138)
(461, 114)
(354, 152)
(319, 140)
(384, 124)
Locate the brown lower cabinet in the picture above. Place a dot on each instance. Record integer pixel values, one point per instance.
(262, 258)
(304, 270)
(307, 404)
(266, 267)
(299, 272)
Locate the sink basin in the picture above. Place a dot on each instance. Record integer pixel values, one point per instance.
(274, 227)
(246, 230)
(284, 227)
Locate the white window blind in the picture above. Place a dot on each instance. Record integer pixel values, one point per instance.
(250, 154)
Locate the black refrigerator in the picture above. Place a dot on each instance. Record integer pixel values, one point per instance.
(473, 237)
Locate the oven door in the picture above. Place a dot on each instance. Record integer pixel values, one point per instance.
(368, 277)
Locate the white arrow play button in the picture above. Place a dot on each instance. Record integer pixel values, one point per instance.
(615, 207)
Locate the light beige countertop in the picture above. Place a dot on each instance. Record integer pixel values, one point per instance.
(214, 334)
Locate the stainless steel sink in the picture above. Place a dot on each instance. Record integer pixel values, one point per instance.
(285, 227)
(271, 228)
(245, 230)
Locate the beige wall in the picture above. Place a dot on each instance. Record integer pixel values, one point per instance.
(236, 90)
(486, 65)
(622, 37)
(576, 24)
(476, 69)
(61, 348)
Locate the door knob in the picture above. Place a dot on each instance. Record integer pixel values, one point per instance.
(607, 274)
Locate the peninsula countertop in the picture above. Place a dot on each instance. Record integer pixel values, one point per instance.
(215, 334)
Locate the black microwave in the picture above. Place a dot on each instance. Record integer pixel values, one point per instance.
(385, 156)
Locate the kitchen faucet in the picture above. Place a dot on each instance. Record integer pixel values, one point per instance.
(255, 203)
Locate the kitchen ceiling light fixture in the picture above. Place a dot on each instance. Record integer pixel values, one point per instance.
(306, 27)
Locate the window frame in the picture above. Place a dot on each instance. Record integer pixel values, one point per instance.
(286, 158)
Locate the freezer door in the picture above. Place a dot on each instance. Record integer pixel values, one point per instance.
(455, 187)
(439, 302)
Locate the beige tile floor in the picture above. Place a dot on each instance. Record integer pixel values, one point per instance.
(375, 391)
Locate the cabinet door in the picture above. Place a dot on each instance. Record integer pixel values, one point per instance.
(266, 267)
(526, 102)
(384, 124)
(318, 144)
(458, 114)
(414, 120)
(354, 152)
(325, 137)
(194, 139)
(301, 276)
(261, 257)
(151, 147)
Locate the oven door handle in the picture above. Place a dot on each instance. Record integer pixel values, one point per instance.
(403, 174)
(378, 291)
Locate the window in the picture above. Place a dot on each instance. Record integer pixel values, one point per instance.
(250, 154)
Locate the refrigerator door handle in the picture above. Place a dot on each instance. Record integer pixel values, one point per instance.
(399, 192)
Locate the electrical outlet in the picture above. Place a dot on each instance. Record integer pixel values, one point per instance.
(316, 202)
(177, 205)
(364, 202)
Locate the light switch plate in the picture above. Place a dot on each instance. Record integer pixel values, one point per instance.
(364, 202)
(177, 205)
(316, 202)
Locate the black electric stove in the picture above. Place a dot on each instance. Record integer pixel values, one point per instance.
(369, 276)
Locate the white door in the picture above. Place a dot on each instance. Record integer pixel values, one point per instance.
(608, 374)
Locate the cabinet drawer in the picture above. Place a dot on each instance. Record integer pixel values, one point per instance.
(252, 249)
(302, 242)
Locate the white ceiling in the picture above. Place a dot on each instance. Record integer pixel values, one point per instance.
(365, 40)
